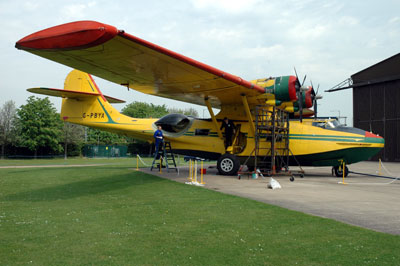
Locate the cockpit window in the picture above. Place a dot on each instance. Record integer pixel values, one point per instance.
(319, 124)
(329, 124)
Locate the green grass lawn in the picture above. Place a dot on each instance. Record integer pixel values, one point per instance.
(132, 161)
(112, 215)
(72, 161)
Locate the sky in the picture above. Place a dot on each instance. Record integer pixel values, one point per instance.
(326, 40)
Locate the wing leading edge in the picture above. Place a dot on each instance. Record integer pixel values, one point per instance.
(114, 55)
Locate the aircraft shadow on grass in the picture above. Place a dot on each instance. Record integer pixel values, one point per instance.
(87, 187)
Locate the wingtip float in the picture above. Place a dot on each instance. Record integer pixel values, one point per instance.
(69, 36)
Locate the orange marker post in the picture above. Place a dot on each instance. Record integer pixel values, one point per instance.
(201, 171)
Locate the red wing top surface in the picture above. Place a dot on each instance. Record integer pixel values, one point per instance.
(114, 55)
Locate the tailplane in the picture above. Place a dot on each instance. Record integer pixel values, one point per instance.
(83, 102)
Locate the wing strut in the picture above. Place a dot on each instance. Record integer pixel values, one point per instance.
(207, 102)
(248, 113)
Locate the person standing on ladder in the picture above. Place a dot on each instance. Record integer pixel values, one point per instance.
(159, 140)
(229, 131)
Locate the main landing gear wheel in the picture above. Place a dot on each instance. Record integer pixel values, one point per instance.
(339, 172)
(228, 164)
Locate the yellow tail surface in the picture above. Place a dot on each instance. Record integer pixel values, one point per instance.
(89, 107)
(85, 108)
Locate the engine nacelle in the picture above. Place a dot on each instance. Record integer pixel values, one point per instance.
(307, 101)
(284, 88)
(174, 123)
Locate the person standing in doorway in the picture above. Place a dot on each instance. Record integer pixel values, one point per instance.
(159, 140)
(229, 131)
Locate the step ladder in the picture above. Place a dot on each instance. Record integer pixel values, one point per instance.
(167, 156)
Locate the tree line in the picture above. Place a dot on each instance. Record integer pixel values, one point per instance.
(35, 129)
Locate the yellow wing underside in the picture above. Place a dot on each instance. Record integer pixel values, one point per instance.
(128, 63)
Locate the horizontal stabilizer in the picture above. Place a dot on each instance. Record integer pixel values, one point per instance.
(71, 94)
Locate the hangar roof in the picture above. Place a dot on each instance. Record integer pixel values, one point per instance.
(387, 69)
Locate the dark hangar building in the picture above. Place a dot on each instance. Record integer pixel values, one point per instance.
(376, 103)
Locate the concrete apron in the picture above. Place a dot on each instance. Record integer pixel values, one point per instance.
(367, 202)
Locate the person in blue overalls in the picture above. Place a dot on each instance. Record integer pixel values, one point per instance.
(159, 140)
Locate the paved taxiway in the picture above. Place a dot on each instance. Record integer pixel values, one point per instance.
(368, 202)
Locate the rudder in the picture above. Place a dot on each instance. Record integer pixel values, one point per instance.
(89, 105)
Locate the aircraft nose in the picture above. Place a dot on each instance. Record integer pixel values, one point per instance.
(371, 135)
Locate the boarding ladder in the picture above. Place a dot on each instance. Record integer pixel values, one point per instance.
(167, 156)
(271, 150)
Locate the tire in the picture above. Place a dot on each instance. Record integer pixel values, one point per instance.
(228, 164)
(339, 172)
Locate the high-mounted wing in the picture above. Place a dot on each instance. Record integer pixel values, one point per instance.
(114, 55)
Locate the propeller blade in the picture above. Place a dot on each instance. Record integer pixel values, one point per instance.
(315, 109)
(296, 72)
(298, 85)
(300, 101)
(304, 80)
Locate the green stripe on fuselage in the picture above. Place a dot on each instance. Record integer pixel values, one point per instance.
(360, 139)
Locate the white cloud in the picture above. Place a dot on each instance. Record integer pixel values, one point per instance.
(260, 52)
(307, 30)
(77, 11)
(222, 35)
(394, 20)
(74, 11)
(348, 21)
(373, 43)
(91, 4)
(30, 6)
(230, 6)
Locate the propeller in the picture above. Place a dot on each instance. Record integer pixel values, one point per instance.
(315, 97)
(300, 90)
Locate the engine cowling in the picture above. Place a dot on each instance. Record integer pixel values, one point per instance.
(174, 123)
(307, 101)
(284, 88)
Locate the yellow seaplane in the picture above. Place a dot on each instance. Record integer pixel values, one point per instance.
(260, 109)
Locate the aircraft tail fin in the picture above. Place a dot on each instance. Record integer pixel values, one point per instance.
(83, 102)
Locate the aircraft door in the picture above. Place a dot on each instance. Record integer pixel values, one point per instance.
(239, 140)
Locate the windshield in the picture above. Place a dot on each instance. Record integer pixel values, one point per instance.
(327, 124)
